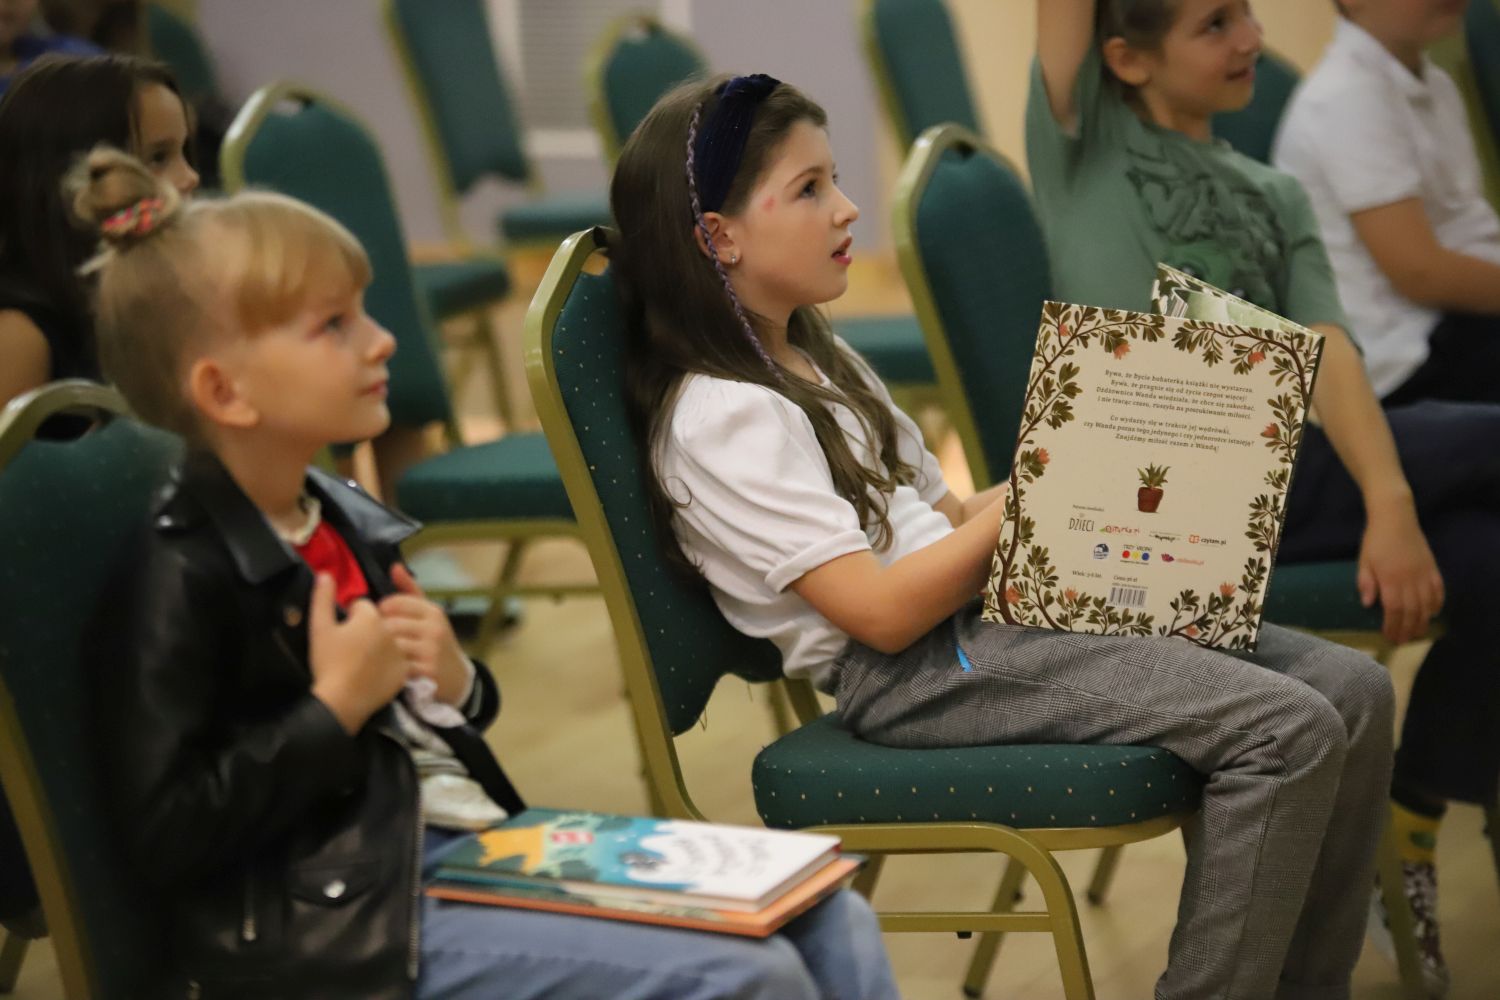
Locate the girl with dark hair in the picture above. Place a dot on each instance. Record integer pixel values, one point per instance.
(1126, 173)
(807, 502)
(57, 109)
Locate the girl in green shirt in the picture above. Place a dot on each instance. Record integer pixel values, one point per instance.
(1126, 173)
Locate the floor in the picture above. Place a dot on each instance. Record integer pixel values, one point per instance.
(565, 737)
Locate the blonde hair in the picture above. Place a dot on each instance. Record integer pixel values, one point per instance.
(161, 300)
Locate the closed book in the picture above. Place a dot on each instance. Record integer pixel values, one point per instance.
(639, 859)
(761, 923)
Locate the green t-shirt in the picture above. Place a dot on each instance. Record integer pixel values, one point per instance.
(1122, 194)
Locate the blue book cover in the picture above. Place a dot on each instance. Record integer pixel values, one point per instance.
(640, 858)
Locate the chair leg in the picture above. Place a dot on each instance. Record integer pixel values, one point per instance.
(781, 713)
(1104, 873)
(1398, 911)
(488, 339)
(864, 882)
(989, 944)
(12, 953)
(505, 585)
(1067, 935)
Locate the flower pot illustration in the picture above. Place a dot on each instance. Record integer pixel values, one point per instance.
(1148, 497)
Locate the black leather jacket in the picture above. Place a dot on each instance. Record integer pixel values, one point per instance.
(286, 854)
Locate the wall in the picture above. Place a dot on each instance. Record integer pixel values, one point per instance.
(340, 46)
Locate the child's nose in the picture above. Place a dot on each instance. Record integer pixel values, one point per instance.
(850, 211)
(384, 344)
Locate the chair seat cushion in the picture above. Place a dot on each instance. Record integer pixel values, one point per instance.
(1318, 596)
(821, 774)
(554, 217)
(455, 287)
(512, 478)
(892, 344)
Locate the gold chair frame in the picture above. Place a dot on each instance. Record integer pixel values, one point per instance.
(1030, 850)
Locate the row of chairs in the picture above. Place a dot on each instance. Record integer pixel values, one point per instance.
(670, 677)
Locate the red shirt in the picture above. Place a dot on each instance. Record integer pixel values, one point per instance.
(327, 552)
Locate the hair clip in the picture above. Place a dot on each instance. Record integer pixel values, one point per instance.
(137, 220)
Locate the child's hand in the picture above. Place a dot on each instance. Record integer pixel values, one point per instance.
(425, 637)
(356, 664)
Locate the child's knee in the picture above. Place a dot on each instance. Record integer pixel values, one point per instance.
(1311, 735)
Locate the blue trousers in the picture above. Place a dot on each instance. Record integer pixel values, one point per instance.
(471, 952)
(1450, 452)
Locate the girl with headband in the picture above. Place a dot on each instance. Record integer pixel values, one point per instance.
(808, 505)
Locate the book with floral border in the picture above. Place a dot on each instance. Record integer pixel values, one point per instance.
(1148, 489)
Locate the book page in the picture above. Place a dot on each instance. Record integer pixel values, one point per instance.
(1148, 488)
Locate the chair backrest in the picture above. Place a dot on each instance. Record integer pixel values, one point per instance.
(674, 644)
(918, 67)
(68, 507)
(295, 141)
(636, 61)
(1482, 35)
(972, 253)
(176, 43)
(1252, 129)
(456, 77)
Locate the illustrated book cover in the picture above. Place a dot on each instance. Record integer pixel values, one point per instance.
(1148, 489)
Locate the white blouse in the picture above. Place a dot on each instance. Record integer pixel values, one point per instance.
(760, 509)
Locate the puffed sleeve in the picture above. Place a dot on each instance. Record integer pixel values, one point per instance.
(754, 490)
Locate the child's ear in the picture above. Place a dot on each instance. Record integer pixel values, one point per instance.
(1130, 65)
(723, 237)
(213, 392)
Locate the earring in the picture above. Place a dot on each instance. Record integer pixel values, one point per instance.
(734, 259)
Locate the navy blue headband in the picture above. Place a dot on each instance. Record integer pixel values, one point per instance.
(721, 139)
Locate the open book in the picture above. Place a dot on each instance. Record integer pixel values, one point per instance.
(1148, 488)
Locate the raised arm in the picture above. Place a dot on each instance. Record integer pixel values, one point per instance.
(1400, 238)
(1064, 32)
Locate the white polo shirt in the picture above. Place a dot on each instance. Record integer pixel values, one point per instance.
(1360, 132)
(761, 509)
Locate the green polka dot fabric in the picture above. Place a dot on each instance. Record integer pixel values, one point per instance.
(822, 774)
(511, 478)
(691, 644)
(455, 287)
(68, 508)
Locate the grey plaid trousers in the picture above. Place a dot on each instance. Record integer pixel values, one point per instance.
(1294, 740)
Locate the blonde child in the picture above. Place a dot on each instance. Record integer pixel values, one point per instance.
(808, 504)
(288, 726)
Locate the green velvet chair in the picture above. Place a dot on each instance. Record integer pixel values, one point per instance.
(470, 121)
(176, 43)
(1022, 802)
(972, 253)
(635, 62)
(918, 66)
(1252, 129)
(68, 508)
(292, 140)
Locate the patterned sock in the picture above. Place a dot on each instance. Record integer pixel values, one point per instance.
(1416, 834)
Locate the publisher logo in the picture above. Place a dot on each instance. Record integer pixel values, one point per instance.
(1167, 557)
(1115, 529)
(1101, 551)
(1080, 524)
(1135, 555)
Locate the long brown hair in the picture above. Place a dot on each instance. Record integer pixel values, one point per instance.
(682, 319)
